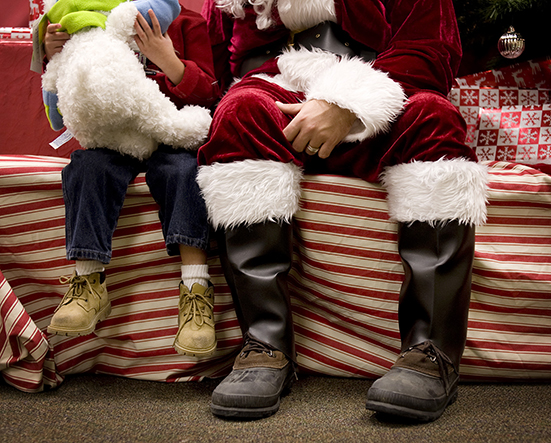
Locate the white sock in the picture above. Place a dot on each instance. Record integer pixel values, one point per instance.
(87, 267)
(195, 274)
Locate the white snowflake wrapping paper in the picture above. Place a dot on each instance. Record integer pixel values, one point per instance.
(520, 134)
(507, 112)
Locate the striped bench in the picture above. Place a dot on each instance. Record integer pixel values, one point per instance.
(344, 284)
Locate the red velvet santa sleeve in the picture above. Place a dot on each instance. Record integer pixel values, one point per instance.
(417, 40)
(424, 50)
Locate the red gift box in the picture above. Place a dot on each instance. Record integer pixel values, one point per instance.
(36, 10)
(520, 134)
(483, 94)
(13, 34)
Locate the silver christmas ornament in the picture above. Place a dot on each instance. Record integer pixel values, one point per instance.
(511, 44)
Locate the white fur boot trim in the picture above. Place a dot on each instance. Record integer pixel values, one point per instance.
(250, 191)
(437, 191)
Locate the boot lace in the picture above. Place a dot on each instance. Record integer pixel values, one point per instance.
(439, 358)
(194, 311)
(252, 345)
(80, 288)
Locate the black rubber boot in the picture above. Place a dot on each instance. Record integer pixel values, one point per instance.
(259, 377)
(433, 313)
(256, 261)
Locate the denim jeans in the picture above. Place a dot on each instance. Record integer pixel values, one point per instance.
(94, 188)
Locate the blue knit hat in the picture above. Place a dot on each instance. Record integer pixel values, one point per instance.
(165, 11)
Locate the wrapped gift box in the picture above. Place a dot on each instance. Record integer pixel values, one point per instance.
(524, 84)
(36, 9)
(13, 34)
(520, 134)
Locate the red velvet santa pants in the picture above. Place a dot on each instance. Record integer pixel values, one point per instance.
(248, 125)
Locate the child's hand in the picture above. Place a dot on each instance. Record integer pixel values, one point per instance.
(54, 40)
(158, 48)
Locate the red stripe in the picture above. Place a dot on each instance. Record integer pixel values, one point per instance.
(508, 293)
(511, 277)
(544, 350)
(332, 186)
(325, 208)
(349, 251)
(503, 240)
(349, 231)
(514, 258)
(520, 221)
(33, 207)
(510, 326)
(24, 385)
(368, 328)
(515, 188)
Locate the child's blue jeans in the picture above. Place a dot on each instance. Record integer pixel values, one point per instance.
(94, 188)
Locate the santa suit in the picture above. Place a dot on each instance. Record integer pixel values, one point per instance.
(407, 135)
(418, 56)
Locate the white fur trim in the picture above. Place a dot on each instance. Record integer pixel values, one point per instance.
(438, 191)
(371, 94)
(303, 14)
(250, 191)
(350, 83)
(295, 15)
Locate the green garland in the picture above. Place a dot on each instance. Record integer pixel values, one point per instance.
(495, 10)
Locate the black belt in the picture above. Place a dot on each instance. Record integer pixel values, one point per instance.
(327, 36)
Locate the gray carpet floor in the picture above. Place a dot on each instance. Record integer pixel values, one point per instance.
(95, 408)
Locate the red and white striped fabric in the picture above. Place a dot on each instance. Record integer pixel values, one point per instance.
(344, 284)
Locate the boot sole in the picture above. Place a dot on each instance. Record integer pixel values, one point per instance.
(409, 413)
(194, 353)
(71, 332)
(252, 413)
(244, 413)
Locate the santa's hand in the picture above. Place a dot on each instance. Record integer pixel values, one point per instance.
(54, 40)
(317, 126)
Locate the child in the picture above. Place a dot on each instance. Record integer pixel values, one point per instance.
(96, 180)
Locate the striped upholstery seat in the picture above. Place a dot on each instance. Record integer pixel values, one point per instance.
(344, 284)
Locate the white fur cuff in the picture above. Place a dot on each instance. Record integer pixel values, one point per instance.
(350, 83)
(437, 191)
(374, 97)
(250, 192)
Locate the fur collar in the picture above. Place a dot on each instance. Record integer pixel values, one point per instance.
(303, 14)
(296, 15)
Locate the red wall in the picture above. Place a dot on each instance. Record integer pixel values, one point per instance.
(14, 13)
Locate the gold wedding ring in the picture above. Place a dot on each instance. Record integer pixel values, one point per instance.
(310, 150)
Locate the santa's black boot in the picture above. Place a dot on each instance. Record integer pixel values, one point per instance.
(433, 314)
(256, 260)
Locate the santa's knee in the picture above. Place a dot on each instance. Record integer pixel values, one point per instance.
(432, 108)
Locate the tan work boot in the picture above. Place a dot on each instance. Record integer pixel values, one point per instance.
(85, 303)
(196, 335)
